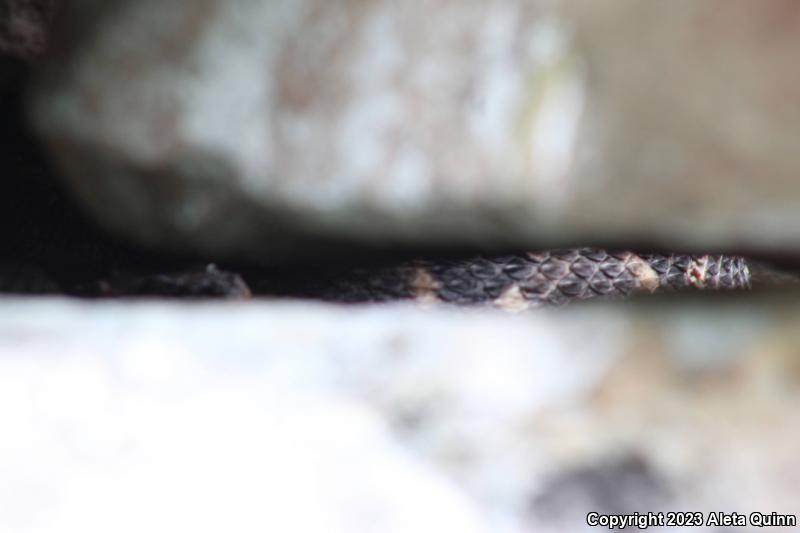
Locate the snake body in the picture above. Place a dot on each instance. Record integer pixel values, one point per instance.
(533, 279)
(513, 282)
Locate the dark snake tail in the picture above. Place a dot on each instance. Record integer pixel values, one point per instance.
(538, 278)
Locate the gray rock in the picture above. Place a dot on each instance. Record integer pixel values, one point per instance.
(302, 417)
(249, 127)
(241, 126)
(24, 26)
(692, 121)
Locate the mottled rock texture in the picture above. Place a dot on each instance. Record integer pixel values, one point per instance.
(24, 26)
(311, 418)
(252, 127)
(243, 126)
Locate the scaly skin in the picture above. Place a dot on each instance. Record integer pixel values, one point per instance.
(512, 282)
(539, 278)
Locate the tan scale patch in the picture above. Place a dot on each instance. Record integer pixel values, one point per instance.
(424, 287)
(648, 278)
(537, 256)
(698, 270)
(512, 299)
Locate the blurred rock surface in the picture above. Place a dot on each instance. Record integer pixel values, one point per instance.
(245, 127)
(301, 417)
(692, 120)
(24, 26)
(241, 126)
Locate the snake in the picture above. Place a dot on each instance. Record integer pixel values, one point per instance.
(513, 282)
(534, 279)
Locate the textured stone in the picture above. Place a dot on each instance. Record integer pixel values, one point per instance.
(24, 26)
(245, 125)
(250, 127)
(296, 417)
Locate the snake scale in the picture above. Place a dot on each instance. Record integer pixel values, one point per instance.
(533, 279)
(513, 282)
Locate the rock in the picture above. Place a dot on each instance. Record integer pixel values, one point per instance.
(245, 126)
(304, 417)
(24, 26)
(253, 128)
(692, 120)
